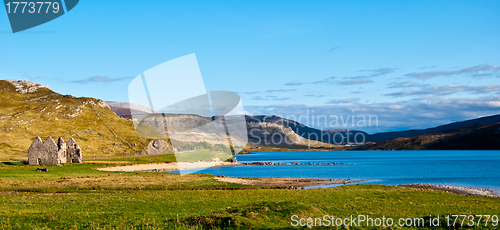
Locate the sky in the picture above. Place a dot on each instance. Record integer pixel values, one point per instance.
(410, 64)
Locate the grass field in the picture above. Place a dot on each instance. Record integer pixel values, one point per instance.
(79, 196)
(265, 208)
(85, 177)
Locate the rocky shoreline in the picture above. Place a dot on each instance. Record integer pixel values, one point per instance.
(454, 189)
(287, 183)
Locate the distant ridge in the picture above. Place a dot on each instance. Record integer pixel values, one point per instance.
(322, 135)
(379, 137)
(473, 137)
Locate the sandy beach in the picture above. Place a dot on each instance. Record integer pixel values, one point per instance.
(165, 167)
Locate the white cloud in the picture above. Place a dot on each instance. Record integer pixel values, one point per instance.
(476, 70)
(413, 114)
(447, 89)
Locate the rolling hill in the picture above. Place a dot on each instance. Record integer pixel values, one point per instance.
(380, 137)
(473, 137)
(29, 109)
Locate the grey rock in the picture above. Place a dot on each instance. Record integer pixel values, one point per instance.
(24, 86)
(158, 147)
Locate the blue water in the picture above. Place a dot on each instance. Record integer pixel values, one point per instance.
(478, 169)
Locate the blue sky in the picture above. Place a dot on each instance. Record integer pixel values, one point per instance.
(414, 64)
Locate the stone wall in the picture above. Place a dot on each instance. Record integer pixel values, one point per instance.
(48, 153)
(74, 154)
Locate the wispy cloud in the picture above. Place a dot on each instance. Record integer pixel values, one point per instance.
(348, 80)
(354, 82)
(294, 83)
(378, 72)
(314, 95)
(270, 98)
(429, 67)
(254, 92)
(470, 70)
(447, 89)
(99, 79)
(481, 75)
(343, 101)
(334, 48)
(280, 90)
(406, 84)
(328, 80)
(325, 81)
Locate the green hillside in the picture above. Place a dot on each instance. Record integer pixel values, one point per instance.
(29, 110)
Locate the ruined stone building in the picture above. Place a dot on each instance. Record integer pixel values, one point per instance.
(50, 153)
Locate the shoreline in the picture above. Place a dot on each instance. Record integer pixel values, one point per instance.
(166, 167)
(175, 166)
(286, 182)
(461, 190)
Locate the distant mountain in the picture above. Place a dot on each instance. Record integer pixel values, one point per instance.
(28, 109)
(473, 137)
(332, 136)
(265, 126)
(379, 137)
(192, 128)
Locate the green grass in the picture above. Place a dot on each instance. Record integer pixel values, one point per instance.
(269, 208)
(86, 178)
(78, 196)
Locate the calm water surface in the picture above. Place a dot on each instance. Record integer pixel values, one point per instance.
(479, 169)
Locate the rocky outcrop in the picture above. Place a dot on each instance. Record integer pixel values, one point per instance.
(158, 147)
(266, 133)
(24, 86)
